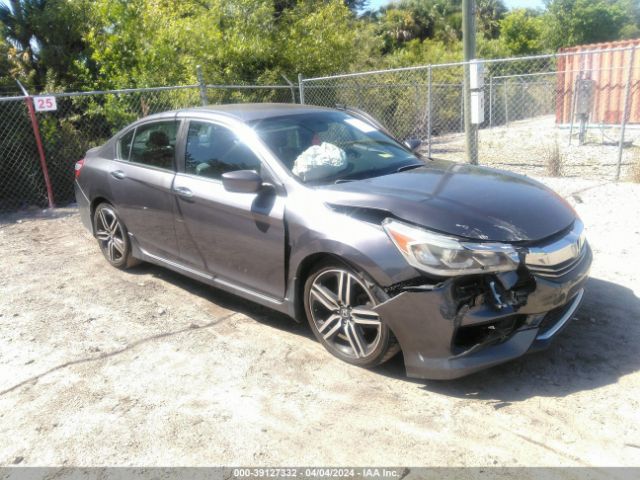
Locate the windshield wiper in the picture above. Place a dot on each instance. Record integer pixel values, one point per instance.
(409, 167)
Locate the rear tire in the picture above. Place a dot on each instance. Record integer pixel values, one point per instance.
(339, 305)
(112, 236)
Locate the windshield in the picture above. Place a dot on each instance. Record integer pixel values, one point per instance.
(327, 147)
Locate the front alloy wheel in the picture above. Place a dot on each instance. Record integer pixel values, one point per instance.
(339, 304)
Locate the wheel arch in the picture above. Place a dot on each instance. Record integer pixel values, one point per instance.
(92, 209)
(302, 272)
(304, 268)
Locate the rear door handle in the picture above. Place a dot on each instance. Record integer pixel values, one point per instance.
(183, 192)
(119, 174)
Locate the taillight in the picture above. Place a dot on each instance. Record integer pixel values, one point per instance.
(78, 167)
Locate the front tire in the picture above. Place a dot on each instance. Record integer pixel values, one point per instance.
(112, 236)
(339, 306)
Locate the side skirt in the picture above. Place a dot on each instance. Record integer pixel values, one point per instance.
(215, 281)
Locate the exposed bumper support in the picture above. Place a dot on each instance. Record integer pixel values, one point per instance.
(428, 342)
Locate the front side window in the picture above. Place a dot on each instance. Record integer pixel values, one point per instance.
(154, 144)
(325, 147)
(213, 150)
(124, 145)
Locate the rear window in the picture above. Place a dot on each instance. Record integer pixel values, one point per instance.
(152, 144)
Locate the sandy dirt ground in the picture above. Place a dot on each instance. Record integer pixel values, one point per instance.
(102, 367)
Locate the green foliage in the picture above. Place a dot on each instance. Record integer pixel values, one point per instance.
(631, 29)
(46, 42)
(398, 26)
(62, 45)
(143, 43)
(416, 52)
(578, 22)
(85, 44)
(521, 32)
(6, 82)
(317, 38)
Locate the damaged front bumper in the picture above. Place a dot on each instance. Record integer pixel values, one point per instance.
(461, 326)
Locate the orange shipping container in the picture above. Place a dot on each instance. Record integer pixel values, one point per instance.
(608, 67)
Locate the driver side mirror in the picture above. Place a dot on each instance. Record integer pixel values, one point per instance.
(242, 181)
(413, 143)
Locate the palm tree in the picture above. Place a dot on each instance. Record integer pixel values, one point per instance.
(19, 20)
(488, 16)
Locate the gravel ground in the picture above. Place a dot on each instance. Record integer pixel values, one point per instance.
(102, 367)
(525, 146)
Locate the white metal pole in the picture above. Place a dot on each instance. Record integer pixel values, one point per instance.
(625, 113)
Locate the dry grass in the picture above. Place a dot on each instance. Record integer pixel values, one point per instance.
(635, 166)
(554, 160)
(524, 145)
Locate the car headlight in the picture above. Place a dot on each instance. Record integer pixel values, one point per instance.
(443, 255)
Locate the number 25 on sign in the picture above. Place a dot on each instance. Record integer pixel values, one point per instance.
(45, 104)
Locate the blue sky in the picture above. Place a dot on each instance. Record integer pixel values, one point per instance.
(509, 3)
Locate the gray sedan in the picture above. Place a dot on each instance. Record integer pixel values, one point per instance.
(323, 215)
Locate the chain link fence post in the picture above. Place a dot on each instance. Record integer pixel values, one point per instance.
(462, 102)
(301, 88)
(292, 87)
(625, 111)
(430, 105)
(36, 133)
(202, 86)
(506, 101)
(491, 101)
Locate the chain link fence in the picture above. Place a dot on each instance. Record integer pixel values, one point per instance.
(83, 120)
(573, 113)
(399, 98)
(21, 179)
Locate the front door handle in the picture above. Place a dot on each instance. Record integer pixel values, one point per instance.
(183, 192)
(119, 174)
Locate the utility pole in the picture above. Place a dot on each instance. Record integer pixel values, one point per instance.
(469, 49)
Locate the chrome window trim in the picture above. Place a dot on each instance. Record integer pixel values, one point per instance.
(216, 181)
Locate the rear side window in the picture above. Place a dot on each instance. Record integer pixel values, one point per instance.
(213, 150)
(124, 145)
(154, 145)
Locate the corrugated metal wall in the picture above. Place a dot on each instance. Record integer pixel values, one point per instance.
(609, 69)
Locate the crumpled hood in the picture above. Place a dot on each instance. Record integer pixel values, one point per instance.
(474, 202)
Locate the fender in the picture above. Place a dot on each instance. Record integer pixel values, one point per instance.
(348, 239)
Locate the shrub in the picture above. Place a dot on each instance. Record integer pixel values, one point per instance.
(554, 160)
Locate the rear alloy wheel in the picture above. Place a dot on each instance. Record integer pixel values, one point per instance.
(112, 236)
(339, 305)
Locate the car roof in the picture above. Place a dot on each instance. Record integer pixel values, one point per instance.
(247, 112)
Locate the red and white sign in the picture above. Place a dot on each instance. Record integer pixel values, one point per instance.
(45, 104)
